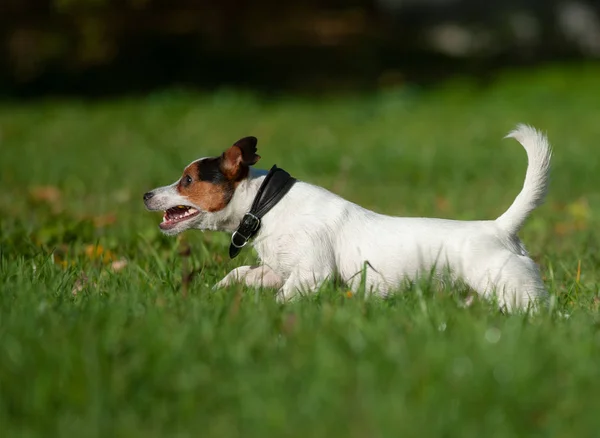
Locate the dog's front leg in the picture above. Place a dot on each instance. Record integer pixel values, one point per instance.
(297, 283)
(256, 276)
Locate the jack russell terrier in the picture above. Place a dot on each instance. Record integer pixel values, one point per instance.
(304, 234)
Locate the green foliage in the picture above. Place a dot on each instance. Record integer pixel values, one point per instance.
(108, 328)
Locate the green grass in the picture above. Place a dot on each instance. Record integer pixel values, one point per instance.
(88, 350)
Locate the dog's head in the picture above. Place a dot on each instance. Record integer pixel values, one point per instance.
(205, 188)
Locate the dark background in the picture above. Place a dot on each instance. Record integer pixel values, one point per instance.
(101, 47)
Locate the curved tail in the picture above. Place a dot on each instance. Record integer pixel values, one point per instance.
(535, 186)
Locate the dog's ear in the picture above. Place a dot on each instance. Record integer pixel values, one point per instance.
(237, 159)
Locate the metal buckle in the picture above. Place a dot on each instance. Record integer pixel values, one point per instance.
(252, 220)
(235, 233)
(249, 222)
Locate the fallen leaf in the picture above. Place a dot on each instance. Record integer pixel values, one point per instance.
(104, 220)
(563, 228)
(49, 194)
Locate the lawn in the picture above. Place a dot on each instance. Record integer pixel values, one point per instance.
(110, 329)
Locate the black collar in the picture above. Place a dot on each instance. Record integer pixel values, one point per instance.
(274, 187)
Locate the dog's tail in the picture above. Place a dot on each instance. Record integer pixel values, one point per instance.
(535, 186)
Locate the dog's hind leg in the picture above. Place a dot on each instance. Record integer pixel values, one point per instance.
(515, 281)
(257, 276)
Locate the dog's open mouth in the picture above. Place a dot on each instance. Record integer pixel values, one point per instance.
(175, 215)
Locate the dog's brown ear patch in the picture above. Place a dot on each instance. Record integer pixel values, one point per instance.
(237, 159)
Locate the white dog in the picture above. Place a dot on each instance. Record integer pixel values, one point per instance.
(305, 234)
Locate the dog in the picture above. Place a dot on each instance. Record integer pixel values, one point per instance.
(308, 235)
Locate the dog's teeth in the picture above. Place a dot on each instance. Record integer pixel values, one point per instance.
(177, 213)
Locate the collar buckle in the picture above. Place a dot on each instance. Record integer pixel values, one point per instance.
(248, 227)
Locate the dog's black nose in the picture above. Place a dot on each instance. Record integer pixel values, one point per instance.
(148, 195)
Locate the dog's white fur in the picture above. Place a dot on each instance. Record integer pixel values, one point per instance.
(313, 235)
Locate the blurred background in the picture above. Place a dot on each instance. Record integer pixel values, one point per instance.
(103, 47)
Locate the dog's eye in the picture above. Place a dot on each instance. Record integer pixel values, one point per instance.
(187, 180)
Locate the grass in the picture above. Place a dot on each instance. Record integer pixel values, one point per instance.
(108, 328)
